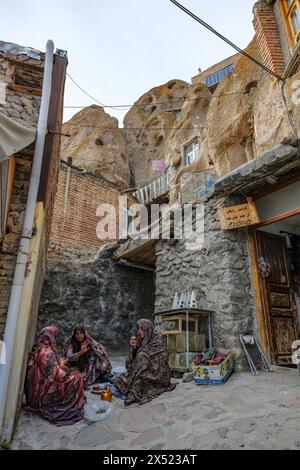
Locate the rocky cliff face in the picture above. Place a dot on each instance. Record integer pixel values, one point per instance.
(97, 144)
(106, 298)
(247, 115)
(148, 125)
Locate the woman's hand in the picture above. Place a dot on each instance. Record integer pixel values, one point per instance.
(84, 347)
(64, 362)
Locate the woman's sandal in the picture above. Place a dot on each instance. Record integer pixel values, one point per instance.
(129, 402)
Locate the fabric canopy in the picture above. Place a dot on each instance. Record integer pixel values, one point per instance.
(13, 137)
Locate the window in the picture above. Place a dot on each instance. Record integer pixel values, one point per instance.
(191, 152)
(216, 77)
(291, 14)
(7, 170)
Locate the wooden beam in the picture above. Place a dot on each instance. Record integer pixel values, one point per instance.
(133, 251)
(56, 103)
(265, 191)
(26, 90)
(137, 265)
(257, 291)
(278, 218)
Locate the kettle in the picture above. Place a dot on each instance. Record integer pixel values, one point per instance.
(106, 394)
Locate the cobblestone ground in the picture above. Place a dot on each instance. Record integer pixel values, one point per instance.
(246, 413)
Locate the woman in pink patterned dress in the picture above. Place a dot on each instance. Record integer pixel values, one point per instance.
(51, 389)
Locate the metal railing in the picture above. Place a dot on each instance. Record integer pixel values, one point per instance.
(156, 188)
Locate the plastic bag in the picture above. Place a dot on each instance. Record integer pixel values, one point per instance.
(97, 411)
(118, 371)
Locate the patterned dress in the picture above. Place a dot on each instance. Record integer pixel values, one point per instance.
(51, 390)
(94, 364)
(148, 372)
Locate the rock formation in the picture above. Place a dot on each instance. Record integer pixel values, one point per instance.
(148, 125)
(247, 115)
(97, 144)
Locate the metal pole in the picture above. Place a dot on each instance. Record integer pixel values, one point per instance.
(209, 331)
(187, 340)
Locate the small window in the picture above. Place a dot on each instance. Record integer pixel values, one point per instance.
(191, 152)
(7, 171)
(291, 16)
(216, 77)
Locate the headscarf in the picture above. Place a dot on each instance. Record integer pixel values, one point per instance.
(83, 360)
(152, 343)
(95, 347)
(50, 333)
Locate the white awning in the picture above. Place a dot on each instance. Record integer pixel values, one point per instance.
(13, 137)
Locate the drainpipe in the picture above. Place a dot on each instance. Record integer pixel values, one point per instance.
(22, 258)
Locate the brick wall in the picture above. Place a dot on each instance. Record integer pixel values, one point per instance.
(73, 233)
(268, 37)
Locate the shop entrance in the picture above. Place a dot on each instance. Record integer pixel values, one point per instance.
(278, 259)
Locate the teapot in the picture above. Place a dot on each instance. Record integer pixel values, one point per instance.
(106, 394)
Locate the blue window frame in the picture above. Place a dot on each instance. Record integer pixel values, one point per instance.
(216, 77)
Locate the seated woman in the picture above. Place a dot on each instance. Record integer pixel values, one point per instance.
(50, 388)
(88, 356)
(148, 372)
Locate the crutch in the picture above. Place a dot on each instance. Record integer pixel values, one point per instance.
(249, 358)
(265, 362)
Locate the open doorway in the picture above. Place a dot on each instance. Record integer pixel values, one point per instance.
(278, 259)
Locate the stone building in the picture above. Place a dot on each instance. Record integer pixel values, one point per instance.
(227, 143)
(236, 148)
(30, 125)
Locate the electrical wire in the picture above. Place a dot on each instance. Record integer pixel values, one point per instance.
(160, 103)
(290, 117)
(237, 48)
(94, 99)
(135, 128)
(241, 51)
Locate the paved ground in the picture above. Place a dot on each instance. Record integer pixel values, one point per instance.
(246, 413)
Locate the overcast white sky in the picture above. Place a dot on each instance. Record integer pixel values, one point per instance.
(120, 49)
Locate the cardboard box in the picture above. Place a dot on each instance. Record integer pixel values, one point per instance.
(214, 375)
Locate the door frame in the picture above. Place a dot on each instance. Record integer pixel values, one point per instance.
(260, 295)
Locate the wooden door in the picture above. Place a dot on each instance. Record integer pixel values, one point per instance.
(281, 321)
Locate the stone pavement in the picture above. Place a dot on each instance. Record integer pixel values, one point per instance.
(246, 413)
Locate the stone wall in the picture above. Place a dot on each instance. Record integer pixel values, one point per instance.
(74, 225)
(24, 108)
(10, 242)
(219, 273)
(107, 298)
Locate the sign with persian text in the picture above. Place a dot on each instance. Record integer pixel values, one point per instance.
(243, 215)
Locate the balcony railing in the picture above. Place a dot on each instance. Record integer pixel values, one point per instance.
(153, 190)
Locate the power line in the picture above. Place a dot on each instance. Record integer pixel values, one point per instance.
(160, 103)
(135, 128)
(94, 99)
(241, 51)
(237, 48)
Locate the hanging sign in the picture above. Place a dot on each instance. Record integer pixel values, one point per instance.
(243, 215)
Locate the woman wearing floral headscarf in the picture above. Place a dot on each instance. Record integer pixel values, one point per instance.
(148, 372)
(88, 356)
(50, 388)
